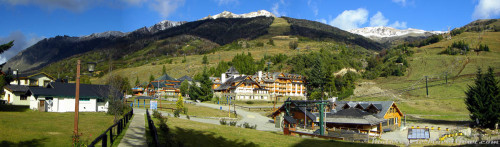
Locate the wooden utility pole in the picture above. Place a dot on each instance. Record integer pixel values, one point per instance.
(426, 87)
(77, 97)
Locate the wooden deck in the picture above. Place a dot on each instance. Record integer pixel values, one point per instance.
(316, 135)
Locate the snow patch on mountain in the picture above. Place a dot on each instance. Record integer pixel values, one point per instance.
(227, 14)
(163, 25)
(382, 32)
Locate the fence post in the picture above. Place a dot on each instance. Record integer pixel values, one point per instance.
(111, 135)
(104, 140)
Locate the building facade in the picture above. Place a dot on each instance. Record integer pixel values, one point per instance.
(261, 86)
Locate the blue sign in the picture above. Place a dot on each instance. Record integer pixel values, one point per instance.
(153, 105)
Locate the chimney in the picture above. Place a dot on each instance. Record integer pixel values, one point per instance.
(260, 75)
(223, 78)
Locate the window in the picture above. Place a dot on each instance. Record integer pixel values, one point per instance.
(24, 97)
(84, 99)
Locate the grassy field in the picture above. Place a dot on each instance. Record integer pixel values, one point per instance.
(49, 129)
(192, 133)
(445, 101)
(193, 110)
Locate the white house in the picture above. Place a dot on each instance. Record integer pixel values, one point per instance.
(39, 79)
(16, 95)
(60, 97)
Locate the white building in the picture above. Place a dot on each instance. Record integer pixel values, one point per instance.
(39, 79)
(15, 93)
(60, 97)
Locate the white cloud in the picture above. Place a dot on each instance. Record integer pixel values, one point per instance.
(350, 19)
(21, 42)
(313, 6)
(224, 2)
(402, 2)
(399, 25)
(378, 20)
(322, 20)
(486, 9)
(166, 7)
(275, 10)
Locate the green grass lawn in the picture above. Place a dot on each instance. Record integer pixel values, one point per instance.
(192, 133)
(49, 129)
(193, 110)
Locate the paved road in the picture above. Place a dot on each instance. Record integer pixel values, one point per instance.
(136, 132)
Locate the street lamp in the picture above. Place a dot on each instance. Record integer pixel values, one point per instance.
(16, 72)
(91, 67)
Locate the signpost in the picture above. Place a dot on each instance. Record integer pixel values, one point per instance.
(153, 105)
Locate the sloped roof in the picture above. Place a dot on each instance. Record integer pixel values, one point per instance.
(383, 106)
(165, 77)
(232, 71)
(185, 78)
(352, 116)
(290, 119)
(227, 85)
(67, 90)
(17, 88)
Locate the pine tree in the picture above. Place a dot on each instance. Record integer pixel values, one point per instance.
(151, 78)
(483, 100)
(179, 105)
(7, 46)
(184, 87)
(137, 83)
(163, 70)
(205, 60)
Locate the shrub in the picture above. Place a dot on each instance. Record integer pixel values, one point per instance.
(185, 110)
(187, 116)
(249, 102)
(248, 126)
(177, 113)
(260, 44)
(223, 122)
(156, 114)
(232, 123)
(271, 42)
(293, 44)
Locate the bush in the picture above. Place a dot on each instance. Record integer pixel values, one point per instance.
(157, 114)
(259, 44)
(248, 126)
(185, 110)
(271, 42)
(293, 44)
(177, 113)
(232, 123)
(249, 102)
(187, 116)
(223, 122)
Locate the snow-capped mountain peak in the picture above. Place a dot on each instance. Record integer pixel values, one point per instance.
(381, 32)
(227, 14)
(163, 25)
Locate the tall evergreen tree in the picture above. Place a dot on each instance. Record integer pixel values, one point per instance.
(7, 46)
(483, 100)
(163, 70)
(137, 83)
(204, 92)
(151, 78)
(184, 87)
(205, 60)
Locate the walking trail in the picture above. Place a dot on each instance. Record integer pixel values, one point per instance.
(136, 132)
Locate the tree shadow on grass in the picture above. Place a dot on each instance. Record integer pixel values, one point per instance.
(13, 108)
(190, 137)
(320, 142)
(27, 143)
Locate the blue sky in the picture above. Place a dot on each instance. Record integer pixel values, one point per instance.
(28, 21)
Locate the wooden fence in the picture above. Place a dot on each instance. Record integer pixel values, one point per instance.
(152, 129)
(118, 127)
